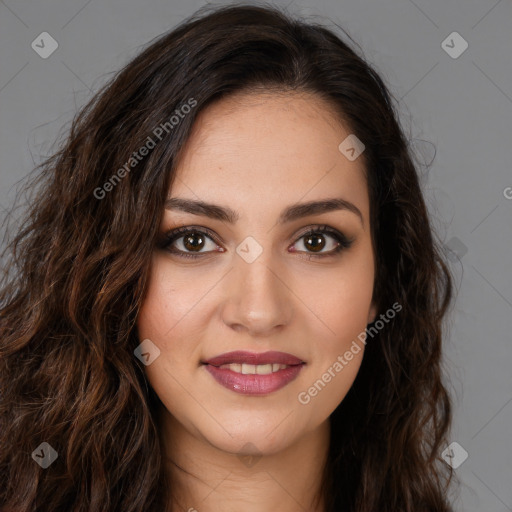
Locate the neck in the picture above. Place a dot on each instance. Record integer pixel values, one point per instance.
(204, 478)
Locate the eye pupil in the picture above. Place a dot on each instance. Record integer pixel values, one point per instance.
(312, 240)
(190, 243)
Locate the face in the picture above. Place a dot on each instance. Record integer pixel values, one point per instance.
(257, 273)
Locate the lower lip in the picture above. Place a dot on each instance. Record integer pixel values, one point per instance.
(253, 384)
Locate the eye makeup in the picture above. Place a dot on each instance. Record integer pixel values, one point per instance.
(167, 240)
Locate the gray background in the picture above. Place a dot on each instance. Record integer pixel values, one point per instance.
(457, 112)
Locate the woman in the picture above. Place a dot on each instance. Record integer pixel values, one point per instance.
(227, 292)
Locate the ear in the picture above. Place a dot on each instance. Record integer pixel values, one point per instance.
(372, 314)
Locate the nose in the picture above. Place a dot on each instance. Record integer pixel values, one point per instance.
(258, 301)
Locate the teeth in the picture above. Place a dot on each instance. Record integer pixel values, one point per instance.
(252, 369)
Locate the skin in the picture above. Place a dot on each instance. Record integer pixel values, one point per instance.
(257, 153)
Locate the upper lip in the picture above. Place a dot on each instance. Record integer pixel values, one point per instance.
(241, 357)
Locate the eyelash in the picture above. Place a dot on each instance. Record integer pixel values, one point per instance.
(176, 234)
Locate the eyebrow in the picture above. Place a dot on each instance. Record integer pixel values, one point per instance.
(289, 214)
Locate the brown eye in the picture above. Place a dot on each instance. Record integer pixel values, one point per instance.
(314, 243)
(190, 243)
(194, 242)
(318, 238)
(317, 242)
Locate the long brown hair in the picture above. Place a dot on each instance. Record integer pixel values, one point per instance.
(77, 272)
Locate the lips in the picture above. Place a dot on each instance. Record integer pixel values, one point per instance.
(241, 357)
(249, 373)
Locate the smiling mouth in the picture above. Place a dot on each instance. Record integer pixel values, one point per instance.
(252, 369)
(251, 373)
(253, 359)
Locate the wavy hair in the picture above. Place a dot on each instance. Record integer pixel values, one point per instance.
(76, 273)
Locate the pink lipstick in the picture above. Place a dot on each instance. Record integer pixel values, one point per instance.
(250, 373)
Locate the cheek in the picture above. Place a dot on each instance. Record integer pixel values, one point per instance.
(172, 299)
(341, 304)
(165, 319)
(342, 299)
(169, 318)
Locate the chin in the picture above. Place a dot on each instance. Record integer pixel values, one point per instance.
(249, 438)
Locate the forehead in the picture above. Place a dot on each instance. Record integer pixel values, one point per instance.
(269, 148)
